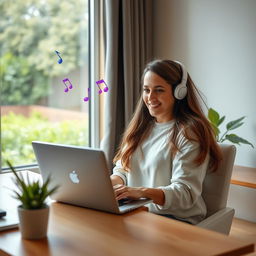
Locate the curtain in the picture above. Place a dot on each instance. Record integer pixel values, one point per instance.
(128, 47)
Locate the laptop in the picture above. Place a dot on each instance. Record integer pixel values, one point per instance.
(8, 219)
(82, 175)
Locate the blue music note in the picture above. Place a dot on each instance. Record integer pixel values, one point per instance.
(60, 60)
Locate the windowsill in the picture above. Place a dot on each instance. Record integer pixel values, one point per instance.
(33, 168)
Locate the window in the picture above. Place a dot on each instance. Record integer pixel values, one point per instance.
(44, 75)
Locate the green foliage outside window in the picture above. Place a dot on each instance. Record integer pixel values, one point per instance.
(22, 83)
(18, 132)
(30, 32)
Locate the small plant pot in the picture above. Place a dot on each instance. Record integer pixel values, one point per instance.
(33, 223)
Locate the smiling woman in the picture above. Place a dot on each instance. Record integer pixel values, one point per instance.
(168, 146)
(32, 75)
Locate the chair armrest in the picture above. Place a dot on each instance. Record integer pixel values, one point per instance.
(220, 221)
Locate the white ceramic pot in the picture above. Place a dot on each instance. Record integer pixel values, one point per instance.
(33, 223)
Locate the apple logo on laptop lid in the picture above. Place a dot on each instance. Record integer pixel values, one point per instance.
(74, 177)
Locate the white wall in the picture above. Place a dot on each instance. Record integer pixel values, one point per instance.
(216, 40)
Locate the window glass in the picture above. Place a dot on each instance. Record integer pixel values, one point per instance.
(44, 75)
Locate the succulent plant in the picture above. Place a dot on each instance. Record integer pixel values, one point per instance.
(32, 195)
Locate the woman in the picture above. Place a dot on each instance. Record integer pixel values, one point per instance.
(168, 146)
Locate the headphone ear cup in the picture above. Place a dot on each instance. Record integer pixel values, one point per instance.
(180, 92)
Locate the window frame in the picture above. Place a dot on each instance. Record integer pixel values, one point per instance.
(94, 72)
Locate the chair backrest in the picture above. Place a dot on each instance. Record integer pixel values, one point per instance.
(216, 184)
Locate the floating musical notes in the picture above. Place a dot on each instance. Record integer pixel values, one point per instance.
(87, 98)
(100, 82)
(105, 89)
(60, 59)
(70, 86)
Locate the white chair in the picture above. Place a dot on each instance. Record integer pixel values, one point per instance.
(215, 192)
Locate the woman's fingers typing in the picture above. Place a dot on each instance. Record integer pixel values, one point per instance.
(119, 191)
(122, 191)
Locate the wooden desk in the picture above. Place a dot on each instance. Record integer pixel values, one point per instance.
(80, 231)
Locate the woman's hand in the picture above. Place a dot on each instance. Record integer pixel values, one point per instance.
(122, 191)
(156, 194)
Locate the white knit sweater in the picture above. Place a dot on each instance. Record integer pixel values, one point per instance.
(180, 179)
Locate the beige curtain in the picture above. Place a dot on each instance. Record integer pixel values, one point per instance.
(128, 47)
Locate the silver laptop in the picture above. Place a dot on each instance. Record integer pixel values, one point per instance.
(10, 220)
(82, 175)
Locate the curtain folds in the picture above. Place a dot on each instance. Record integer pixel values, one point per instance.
(128, 47)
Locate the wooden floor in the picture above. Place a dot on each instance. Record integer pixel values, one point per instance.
(244, 230)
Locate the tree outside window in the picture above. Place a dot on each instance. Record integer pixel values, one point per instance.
(30, 33)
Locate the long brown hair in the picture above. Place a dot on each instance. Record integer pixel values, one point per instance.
(189, 118)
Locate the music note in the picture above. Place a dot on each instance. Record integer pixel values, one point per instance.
(87, 98)
(60, 60)
(100, 82)
(70, 86)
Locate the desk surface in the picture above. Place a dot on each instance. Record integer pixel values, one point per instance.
(80, 231)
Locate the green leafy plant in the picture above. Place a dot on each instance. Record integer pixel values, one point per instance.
(216, 121)
(32, 195)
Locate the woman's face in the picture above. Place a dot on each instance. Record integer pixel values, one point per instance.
(158, 97)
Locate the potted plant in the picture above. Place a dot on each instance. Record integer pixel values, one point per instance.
(216, 121)
(33, 212)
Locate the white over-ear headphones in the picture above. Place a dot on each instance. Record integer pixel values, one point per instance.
(180, 91)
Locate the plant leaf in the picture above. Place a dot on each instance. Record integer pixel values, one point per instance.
(28, 180)
(20, 180)
(213, 116)
(235, 124)
(12, 169)
(216, 130)
(221, 120)
(237, 140)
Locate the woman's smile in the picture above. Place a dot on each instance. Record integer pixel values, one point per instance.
(154, 105)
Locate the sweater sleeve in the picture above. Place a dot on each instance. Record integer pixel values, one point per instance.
(187, 178)
(119, 171)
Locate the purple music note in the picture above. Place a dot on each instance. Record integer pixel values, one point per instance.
(60, 60)
(70, 86)
(87, 98)
(100, 82)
